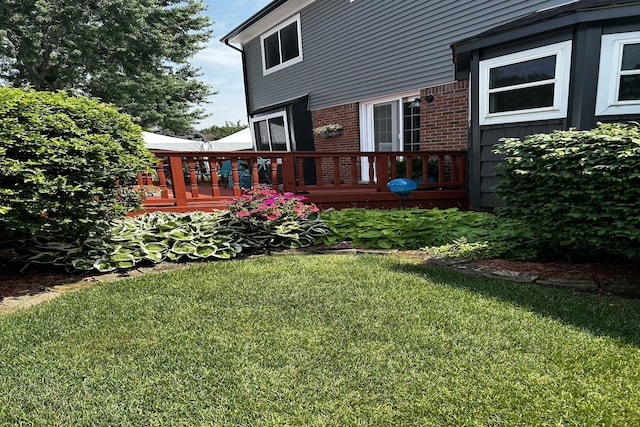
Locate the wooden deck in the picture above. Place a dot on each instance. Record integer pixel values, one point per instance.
(206, 181)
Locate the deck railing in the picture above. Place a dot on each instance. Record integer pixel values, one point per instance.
(205, 180)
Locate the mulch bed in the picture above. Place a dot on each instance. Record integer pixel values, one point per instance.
(612, 270)
(15, 283)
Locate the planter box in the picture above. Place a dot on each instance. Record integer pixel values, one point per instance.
(330, 134)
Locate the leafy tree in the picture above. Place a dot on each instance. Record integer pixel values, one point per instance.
(132, 53)
(229, 128)
(61, 158)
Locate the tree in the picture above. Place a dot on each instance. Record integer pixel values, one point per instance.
(229, 128)
(132, 53)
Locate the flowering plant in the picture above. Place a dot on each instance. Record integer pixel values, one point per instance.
(335, 127)
(265, 218)
(266, 204)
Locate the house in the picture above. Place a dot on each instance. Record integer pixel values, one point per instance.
(560, 68)
(408, 76)
(383, 70)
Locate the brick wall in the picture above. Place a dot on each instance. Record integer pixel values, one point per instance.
(444, 125)
(444, 122)
(348, 115)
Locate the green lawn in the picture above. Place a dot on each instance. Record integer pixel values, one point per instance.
(321, 340)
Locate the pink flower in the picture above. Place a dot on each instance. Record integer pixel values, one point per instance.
(273, 215)
(243, 214)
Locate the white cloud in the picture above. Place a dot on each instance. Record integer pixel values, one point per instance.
(221, 65)
(217, 54)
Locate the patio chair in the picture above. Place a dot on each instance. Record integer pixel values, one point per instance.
(226, 174)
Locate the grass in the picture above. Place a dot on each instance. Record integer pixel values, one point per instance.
(321, 340)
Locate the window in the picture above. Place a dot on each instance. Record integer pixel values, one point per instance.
(411, 117)
(281, 46)
(271, 132)
(389, 124)
(527, 85)
(619, 75)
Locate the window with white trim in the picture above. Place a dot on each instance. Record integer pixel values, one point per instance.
(619, 74)
(525, 86)
(281, 46)
(271, 132)
(390, 124)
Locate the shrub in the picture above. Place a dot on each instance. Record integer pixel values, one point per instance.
(578, 191)
(61, 158)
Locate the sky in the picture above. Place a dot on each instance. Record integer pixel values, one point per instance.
(221, 65)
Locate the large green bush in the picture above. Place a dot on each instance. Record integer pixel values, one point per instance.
(61, 159)
(579, 191)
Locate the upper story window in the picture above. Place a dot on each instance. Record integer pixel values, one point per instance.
(281, 46)
(619, 74)
(524, 86)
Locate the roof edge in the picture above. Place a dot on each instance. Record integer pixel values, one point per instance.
(253, 19)
(561, 15)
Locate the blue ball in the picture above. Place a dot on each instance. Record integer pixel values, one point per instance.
(401, 185)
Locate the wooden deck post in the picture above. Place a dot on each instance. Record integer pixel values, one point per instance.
(193, 177)
(215, 169)
(177, 178)
(288, 172)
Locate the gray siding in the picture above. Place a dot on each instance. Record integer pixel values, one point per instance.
(583, 88)
(369, 48)
(481, 185)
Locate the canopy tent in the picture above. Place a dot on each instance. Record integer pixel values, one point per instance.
(234, 142)
(163, 142)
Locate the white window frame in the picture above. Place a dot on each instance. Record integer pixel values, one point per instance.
(558, 110)
(266, 117)
(611, 50)
(274, 30)
(366, 125)
(366, 119)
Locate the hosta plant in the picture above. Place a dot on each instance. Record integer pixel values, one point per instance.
(152, 237)
(273, 220)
